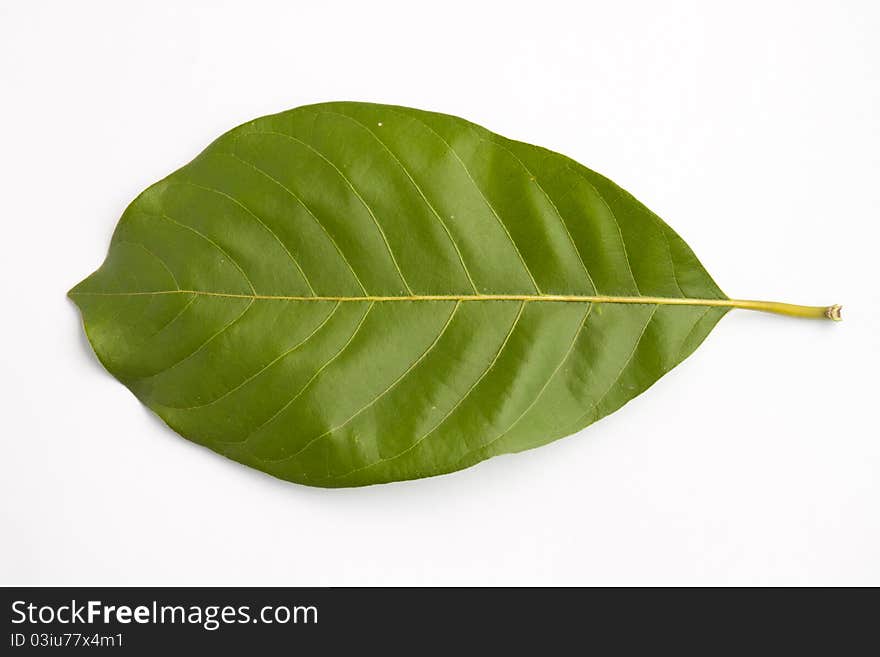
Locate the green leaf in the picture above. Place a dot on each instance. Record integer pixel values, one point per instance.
(347, 294)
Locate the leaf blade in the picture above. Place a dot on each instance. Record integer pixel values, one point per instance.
(380, 293)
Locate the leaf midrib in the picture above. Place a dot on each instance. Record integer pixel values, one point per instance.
(546, 298)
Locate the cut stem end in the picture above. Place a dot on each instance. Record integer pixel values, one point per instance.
(833, 312)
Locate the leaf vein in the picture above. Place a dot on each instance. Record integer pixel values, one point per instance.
(308, 210)
(418, 188)
(355, 192)
(601, 197)
(265, 367)
(658, 223)
(201, 346)
(484, 197)
(232, 260)
(157, 258)
(595, 405)
(553, 205)
(261, 222)
(467, 393)
(176, 316)
(388, 389)
(540, 392)
(314, 377)
(691, 332)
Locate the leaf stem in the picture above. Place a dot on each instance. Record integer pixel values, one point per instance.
(789, 309)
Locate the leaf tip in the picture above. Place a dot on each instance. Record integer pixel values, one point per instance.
(71, 293)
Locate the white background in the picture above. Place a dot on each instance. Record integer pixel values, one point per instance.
(753, 128)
